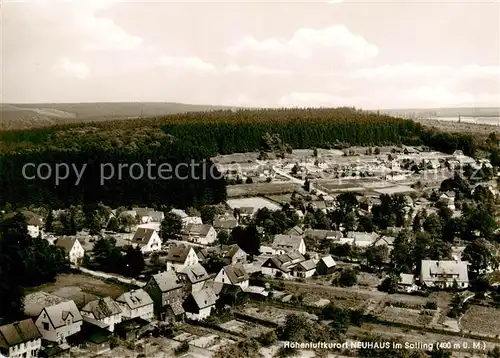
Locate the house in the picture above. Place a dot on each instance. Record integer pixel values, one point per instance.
(74, 250)
(304, 269)
(362, 239)
(174, 313)
(179, 257)
(323, 234)
(34, 222)
(103, 312)
(133, 329)
(234, 254)
(444, 273)
(20, 339)
(164, 289)
(281, 265)
(157, 216)
(199, 305)
(136, 303)
(93, 338)
(191, 220)
(200, 233)
(225, 223)
(233, 275)
(59, 321)
(326, 265)
(143, 214)
(447, 200)
(407, 283)
(193, 277)
(287, 243)
(147, 240)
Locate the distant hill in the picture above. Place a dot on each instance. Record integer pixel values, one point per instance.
(23, 116)
(443, 112)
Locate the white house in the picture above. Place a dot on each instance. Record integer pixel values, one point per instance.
(191, 220)
(34, 222)
(136, 303)
(199, 305)
(233, 275)
(72, 247)
(286, 243)
(407, 283)
(444, 273)
(20, 339)
(157, 216)
(103, 312)
(178, 257)
(200, 233)
(57, 322)
(304, 269)
(281, 265)
(143, 214)
(193, 277)
(147, 239)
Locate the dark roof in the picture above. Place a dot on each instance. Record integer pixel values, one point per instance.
(178, 253)
(18, 332)
(236, 273)
(197, 229)
(66, 243)
(143, 235)
(176, 307)
(231, 251)
(102, 308)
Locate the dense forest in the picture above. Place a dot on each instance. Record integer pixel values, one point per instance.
(182, 138)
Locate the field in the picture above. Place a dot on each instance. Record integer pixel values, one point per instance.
(80, 288)
(405, 316)
(242, 190)
(455, 127)
(483, 320)
(243, 327)
(273, 314)
(255, 202)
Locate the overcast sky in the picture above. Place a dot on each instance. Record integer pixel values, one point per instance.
(369, 54)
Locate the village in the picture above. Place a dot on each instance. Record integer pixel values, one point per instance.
(304, 233)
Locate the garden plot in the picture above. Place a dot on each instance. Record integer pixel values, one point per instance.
(246, 328)
(481, 320)
(273, 314)
(212, 342)
(405, 316)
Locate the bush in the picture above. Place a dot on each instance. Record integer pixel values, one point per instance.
(267, 339)
(431, 305)
(182, 348)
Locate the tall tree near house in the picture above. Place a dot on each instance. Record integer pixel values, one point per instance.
(113, 224)
(480, 254)
(208, 213)
(247, 238)
(171, 226)
(94, 225)
(126, 222)
(402, 257)
(133, 262)
(223, 237)
(377, 256)
(49, 221)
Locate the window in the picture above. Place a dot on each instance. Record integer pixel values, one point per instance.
(45, 326)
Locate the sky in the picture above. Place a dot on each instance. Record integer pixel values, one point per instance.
(367, 54)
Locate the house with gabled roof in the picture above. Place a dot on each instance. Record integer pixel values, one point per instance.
(296, 230)
(20, 339)
(281, 265)
(326, 265)
(164, 289)
(225, 223)
(180, 256)
(136, 303)
(147, 240)
(74, 250)
(233, 275)
(233, 254)
(34, 222)
(143, 214)
(287, 243)
(103, 313)
(304, 269)
(156, 216)
(193, 277)
(199, 305)
(444, 273)
(59, 321)
(200, 234)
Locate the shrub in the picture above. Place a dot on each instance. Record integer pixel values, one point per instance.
(182, 348)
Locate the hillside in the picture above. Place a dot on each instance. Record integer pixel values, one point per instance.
(23, 116)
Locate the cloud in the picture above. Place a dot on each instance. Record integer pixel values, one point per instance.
(254, 70)
(406, 70)
(74, 69)
(186, 63)
(310, 44)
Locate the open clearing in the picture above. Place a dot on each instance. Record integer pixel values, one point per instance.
(262, 189)
(80, 288)
(256, 203)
